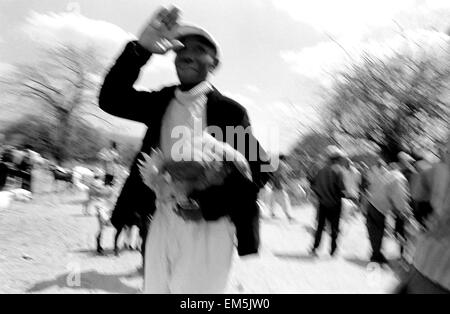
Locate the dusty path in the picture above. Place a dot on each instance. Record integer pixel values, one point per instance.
(48, 246)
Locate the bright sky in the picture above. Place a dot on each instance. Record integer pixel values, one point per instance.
(275, 53)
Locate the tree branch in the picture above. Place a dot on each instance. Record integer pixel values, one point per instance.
(41, 93)
(96, 116)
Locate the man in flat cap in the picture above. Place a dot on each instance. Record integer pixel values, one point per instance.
(226, 210)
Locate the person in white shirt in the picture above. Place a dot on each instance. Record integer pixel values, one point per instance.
(388, 194)
(279, 195)
(352, 180)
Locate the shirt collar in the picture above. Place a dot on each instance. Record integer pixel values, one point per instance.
(187, 97)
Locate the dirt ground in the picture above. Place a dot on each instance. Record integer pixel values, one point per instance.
(48, 246)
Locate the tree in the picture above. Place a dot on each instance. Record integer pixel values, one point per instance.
(396, 103)
(65, 84)
(40, 133)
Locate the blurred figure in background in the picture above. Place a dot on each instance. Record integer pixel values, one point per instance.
(315, 167)
(431, 264)
(352, 180)
(439, 177)
(278, 195)
(311, 173)
(421, 182)
(8, 163)
(25, 168)
(405, 165)
(110, 159)
(364, 186)
(387, 195)
(329, 187)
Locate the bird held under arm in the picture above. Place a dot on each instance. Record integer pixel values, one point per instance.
(210, 163)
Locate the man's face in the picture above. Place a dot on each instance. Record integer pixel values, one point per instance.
(194, 61)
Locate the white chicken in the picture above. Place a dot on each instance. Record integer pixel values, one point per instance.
(211, 161)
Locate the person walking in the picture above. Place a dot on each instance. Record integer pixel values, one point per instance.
(110, 159)
(279, 195)
(329, 187)
(388, 194)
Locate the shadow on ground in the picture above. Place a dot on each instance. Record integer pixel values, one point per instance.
(295, 256)
(83, 216)
(309, 229)
(358, 261)
(399, 268)
(90, 280)
(75, 202)
(106, 252)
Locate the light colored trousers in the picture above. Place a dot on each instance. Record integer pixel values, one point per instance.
(186, 257)
(281, 198)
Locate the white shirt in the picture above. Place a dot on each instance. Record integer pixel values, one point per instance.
(388, 190)
(352, 181)
(188, 111)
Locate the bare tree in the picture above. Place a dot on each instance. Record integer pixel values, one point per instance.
(393, 102)
(65, 83)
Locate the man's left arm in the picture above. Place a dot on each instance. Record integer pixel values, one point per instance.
(237, 196)
(258, 159)
(218, 197)
(245, 213)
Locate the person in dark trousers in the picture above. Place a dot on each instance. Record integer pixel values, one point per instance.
(329, 187)
(388, 194)
(197, 56)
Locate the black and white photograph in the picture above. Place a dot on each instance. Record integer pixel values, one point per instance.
(225, 147)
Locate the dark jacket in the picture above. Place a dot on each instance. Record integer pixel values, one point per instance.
(329, 186)
(236, 198)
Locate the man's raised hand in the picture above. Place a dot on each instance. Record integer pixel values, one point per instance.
(158, 35)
